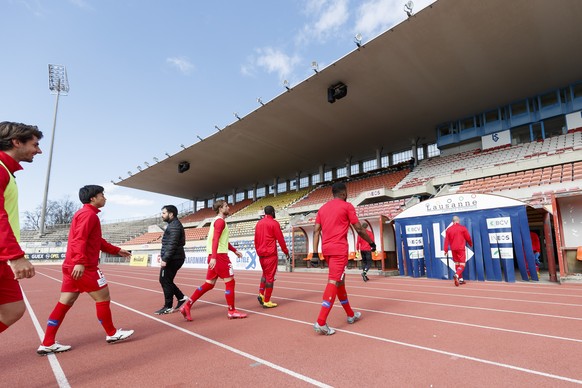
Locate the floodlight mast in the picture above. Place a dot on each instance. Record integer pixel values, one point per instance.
(58, 84)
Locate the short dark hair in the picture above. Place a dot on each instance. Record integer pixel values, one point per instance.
(270, 210)
(338, 187)
(217, 205)
(88, 192)
(171, 209)
(19, 131)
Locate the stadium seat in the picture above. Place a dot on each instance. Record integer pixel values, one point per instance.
(377, 258)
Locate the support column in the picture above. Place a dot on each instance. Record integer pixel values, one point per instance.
(379, 157)
(549, 243)
(348, 167)
(298, 180)
(276, 186)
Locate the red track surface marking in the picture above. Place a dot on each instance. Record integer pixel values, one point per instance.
(414, 332)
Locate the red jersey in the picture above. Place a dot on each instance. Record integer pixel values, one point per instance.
(535, 242)
(267, 234)
(456, 237)
(362, 244)
(85, 240)
(335, 218)
(9, 247)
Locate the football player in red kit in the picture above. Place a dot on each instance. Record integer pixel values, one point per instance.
(333, 221)
(82, 274)
(456, 237)
(267, 234)
(219, 265)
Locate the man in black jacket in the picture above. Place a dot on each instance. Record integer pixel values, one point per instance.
(172, 258)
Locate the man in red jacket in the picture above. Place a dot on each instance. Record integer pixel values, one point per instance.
(82, 274)
(457, 236)
(18, 143)
(365, 251)
(267, 234)
(536, 246)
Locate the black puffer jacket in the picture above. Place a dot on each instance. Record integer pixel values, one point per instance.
(173, 242)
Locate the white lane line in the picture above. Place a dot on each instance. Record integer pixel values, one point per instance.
(447, 322)
(471, 307)
(400, 315)
(466, 296)
(409, 345)
(420, 347)
(55, 366)
(230, 348)
(352, 286)
(475, 359)
(351, 295)
(384, 298)
(216, 343)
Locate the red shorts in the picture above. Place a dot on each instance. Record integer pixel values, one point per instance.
(459, 255)
(222, 269)
(337, 266)
(92, 280)
(269, 266)
(9, 287)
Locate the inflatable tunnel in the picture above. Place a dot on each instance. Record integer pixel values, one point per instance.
(498, 227)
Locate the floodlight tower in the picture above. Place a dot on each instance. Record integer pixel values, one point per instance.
(58, 85)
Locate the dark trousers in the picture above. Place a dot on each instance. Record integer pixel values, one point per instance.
(366, 260)
(167, 275)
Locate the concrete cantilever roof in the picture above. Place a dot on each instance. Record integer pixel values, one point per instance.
(452, 59)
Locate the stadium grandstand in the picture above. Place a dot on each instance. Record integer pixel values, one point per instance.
(473, 98)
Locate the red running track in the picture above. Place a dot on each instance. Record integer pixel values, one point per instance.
(413, 332)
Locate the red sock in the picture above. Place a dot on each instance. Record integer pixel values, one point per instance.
(104, 316)
(262, 286)
(54, 322)
(203, 289)
(268, 291)
(460, 270)
(328, 299)
(3, 327)
(342, 295)
(229, 294)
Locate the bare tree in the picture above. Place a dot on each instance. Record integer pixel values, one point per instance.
(62, 212)
(57, 213)
(32, 219)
